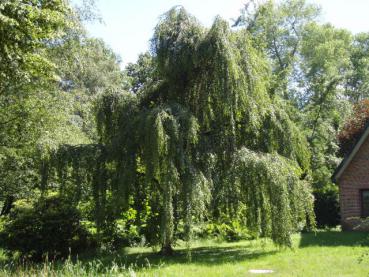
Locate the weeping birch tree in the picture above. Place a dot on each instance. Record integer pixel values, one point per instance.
(207, 131)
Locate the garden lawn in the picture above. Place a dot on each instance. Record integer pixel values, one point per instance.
(321, 254)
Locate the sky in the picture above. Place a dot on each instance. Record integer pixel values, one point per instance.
(129, 24)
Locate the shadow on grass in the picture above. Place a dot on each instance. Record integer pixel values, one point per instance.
(217, 255)
(211, 255)
(334, 238)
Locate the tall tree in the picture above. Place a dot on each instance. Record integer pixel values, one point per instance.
(308, 74)
(51, 76)
(357, 86)
(324, 104)
(27, 28)
(189, 130)
(279, 27)
(140, 73)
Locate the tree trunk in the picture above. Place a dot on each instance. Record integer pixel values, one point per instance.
(167, 227)
(167, 250)
(8, 204)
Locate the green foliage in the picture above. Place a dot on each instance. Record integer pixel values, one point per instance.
(214, 122)
(127, 228)
(50, 227)
(324, 76)
(175, 40)
(34, 115)
(184, 129)
(80, 61)
(93, 57)
(50, 74)
(141, 73)
(26, 26)
(224, 230)
(326, 207)
(80, 172)
(277, 201)
(278, 27)
(358, 81)
(317, 88)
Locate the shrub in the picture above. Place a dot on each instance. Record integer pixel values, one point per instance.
(326, 208)
(49, 227)
(231, 230)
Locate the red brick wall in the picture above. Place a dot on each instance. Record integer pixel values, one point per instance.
(353, 179)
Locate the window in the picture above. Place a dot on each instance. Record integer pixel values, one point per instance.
(365, 203)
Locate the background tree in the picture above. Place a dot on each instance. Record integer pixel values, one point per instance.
(312, 81)
(140, 73)
(325, 76)
(279, 27)
(357, 85)
(27, 28)
(49, 89)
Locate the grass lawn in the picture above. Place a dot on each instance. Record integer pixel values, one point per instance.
(320, 254)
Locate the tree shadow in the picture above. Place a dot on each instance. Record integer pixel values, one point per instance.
(334, 238)
(211, 255)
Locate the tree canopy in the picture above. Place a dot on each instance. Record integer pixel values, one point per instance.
(227, 126)
(207, 112)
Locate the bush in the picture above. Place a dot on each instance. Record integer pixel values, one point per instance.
(230, 231)
(326, 208)
(49, 227)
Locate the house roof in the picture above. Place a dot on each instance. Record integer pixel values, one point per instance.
(346, 161)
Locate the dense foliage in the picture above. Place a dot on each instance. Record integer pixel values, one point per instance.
(318, 87)
(326, 207)
(186, 130)
(218, 131)
(50, 227)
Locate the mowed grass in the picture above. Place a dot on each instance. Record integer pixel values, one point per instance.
(321, 254)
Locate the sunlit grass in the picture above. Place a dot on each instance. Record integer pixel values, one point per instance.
(320, 254)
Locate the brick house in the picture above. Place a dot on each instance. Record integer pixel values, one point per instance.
(352, 177)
